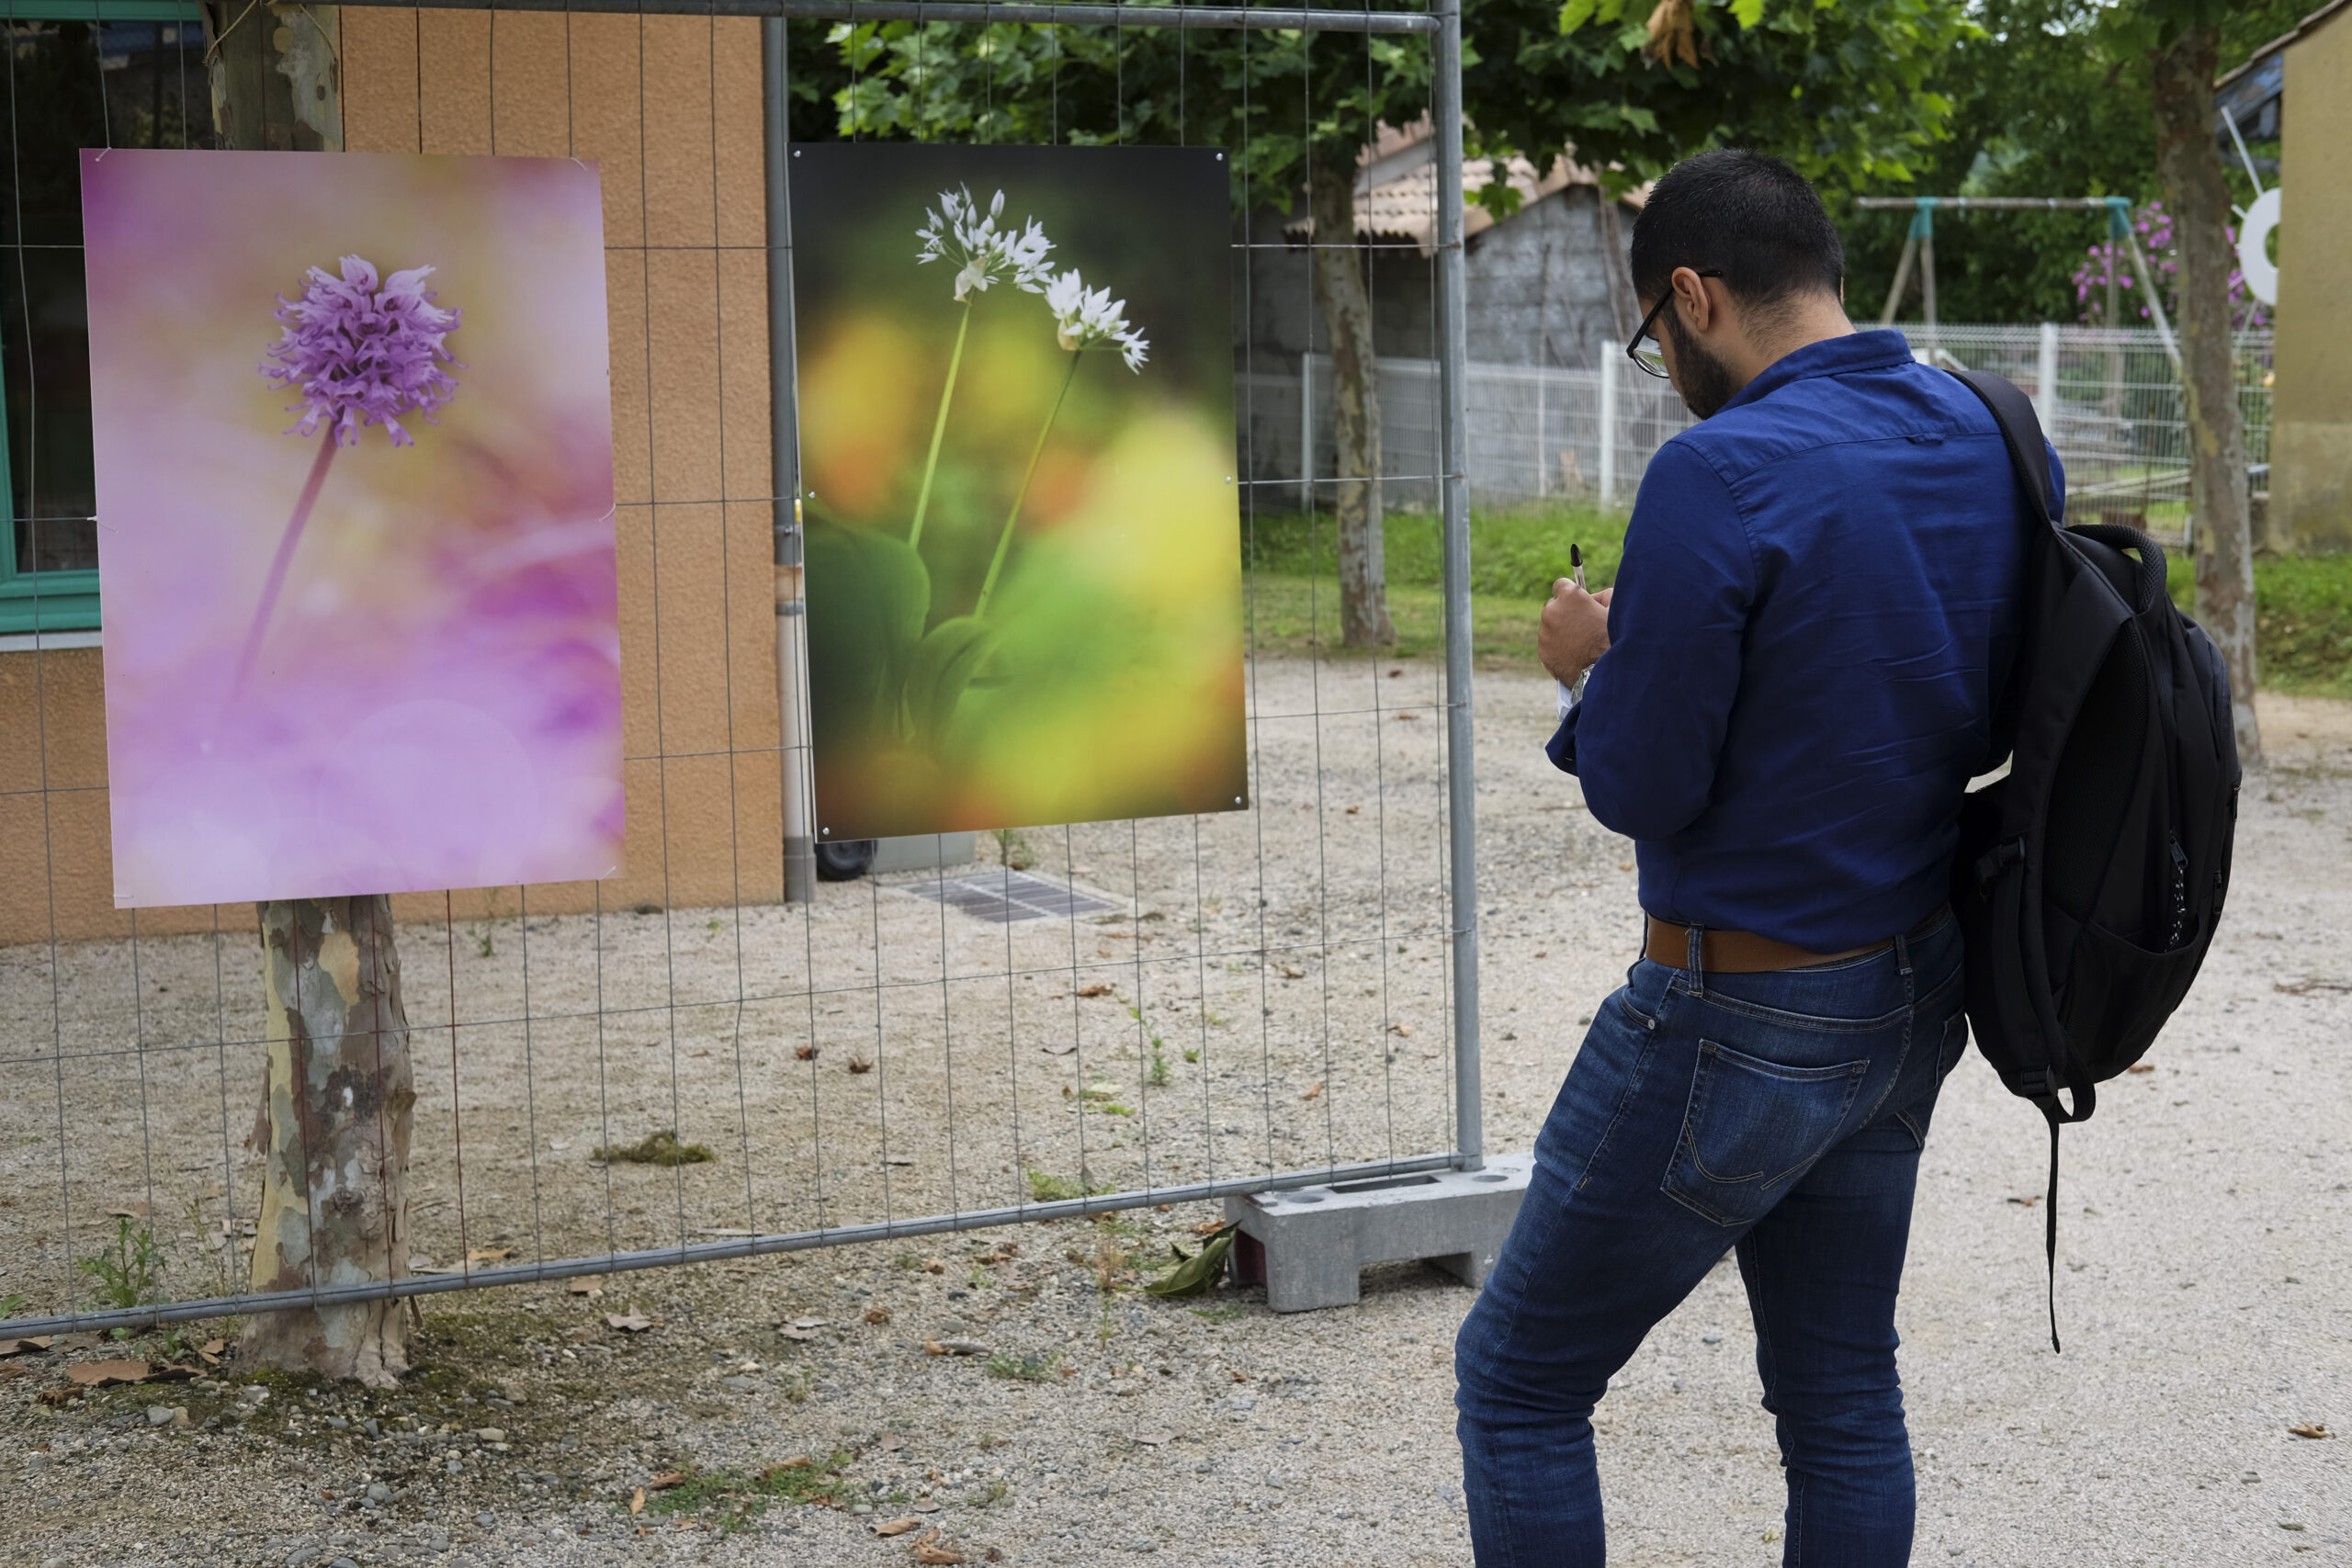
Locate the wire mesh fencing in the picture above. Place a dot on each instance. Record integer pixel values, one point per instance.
(2114, 411)
(678, 1065)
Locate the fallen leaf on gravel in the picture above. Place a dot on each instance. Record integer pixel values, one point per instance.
(211, 1351)
(1210, 1227)
(1402, 1031)
(930, 1548)
(878, 1315)
(1059, 1047)
(1293, 971)
(2026, 1203)
(805, 1053)
(57, 1397)
(631, 1321)
(2140, 1068)
(2306, 986)
(1354, 809)
(2315, 1429)
(1240, 1377)
(18, 1347)
(899, 1160)
(637, 1502)
(97, 1374)
(1092, 991)
(860, 1064)
(897, 1527)
(667, 1478)
(1624, 865)
(1313, 1093)
(586, 1285)
(963, 1347)
(489, 1254)
(933, 1266)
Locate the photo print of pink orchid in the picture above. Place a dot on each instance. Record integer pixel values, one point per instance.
(1017, 481)
(353, 427)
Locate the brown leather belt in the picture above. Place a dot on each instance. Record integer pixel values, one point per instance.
(1745, 952)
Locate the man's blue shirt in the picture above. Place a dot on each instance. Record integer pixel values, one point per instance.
(1819, 585)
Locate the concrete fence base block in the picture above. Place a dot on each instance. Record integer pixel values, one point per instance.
(1309, 1244)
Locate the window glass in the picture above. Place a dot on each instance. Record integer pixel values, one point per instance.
(71, 84)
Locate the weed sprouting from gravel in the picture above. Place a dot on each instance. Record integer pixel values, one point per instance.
(734, 1498)
(659, 1148)
(1047, 1187)
(1022, 1369)
(1160, 1063)
(131, 1272)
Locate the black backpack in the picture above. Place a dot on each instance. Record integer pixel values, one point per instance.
(2088, 882)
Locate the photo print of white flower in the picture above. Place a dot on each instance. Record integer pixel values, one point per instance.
(1023, 531)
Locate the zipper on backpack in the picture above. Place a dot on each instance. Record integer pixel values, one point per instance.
(2179, 933)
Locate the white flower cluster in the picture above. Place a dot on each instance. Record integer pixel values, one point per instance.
(985, 253)
(1090, 318)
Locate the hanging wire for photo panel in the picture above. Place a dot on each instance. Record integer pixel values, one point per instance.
(805, 977)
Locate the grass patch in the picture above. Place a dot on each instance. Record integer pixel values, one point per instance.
(1047, 1187)
(2302, 604)
(1515, 556)
(2302, 626)
(659, 1148)
(734, 1498)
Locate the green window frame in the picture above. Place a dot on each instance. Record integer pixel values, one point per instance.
(63, 600)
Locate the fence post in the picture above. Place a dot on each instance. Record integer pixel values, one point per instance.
(2045, 382)
(1454, 496)
(784, 466)
(1542, 475)
(1608, 430)
(1307, 430)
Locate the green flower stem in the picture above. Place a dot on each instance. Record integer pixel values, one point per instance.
(939, 426)
(1004, 540)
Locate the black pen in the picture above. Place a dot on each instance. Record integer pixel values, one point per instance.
(1576, 575)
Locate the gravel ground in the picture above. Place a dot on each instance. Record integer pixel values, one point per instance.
(2203, 1236)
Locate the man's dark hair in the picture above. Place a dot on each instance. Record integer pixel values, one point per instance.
(1747, 215)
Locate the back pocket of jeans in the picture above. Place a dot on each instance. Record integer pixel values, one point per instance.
(1753, 1126)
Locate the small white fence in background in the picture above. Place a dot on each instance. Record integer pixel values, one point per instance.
(2110, 400)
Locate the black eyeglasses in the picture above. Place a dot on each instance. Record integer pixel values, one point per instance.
(1650, 358)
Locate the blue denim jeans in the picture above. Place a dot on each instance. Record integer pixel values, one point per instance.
(1781, 1114)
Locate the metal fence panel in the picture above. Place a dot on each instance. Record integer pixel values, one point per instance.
(1102, 1015)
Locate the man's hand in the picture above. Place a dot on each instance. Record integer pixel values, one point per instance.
(1574, 632)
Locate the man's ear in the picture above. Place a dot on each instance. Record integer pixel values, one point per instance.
(1693, 300)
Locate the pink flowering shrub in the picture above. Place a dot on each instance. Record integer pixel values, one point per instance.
(2153, 225)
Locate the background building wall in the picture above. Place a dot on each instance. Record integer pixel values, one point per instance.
(2310, 443)
(669, 109)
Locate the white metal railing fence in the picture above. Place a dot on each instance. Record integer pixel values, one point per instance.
(2110, 400)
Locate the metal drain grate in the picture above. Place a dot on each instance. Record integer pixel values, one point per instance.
(1008, 896)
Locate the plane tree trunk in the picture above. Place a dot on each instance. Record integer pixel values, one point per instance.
(1355, 407)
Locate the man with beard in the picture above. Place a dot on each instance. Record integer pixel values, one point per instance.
(1790, 684)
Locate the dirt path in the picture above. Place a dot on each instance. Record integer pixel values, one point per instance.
(2204, 1232)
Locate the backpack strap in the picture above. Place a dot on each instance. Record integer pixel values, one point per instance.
(2021, 430)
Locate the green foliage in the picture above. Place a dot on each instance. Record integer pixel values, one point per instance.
(2052, 97)
(131, 1272)
(1158, 1078)
(1192, 1275)
(1850, 92)
(658, 1148)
